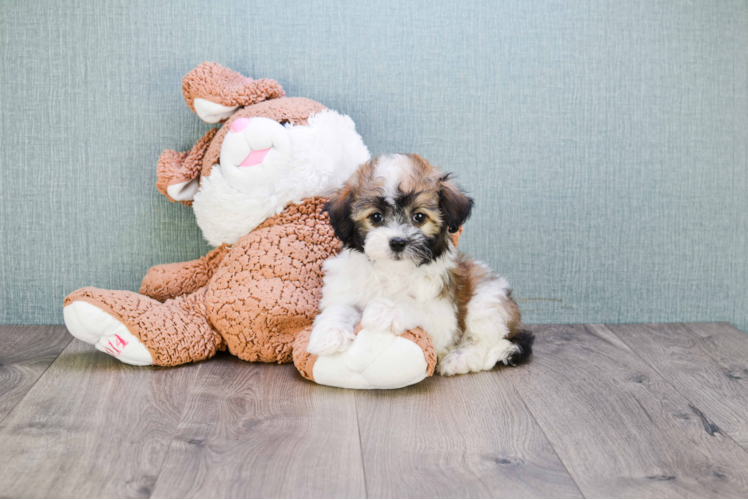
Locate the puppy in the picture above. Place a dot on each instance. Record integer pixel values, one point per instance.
(399, 270)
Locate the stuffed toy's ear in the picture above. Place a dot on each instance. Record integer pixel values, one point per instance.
(454, 204)
(178, 174)
(215, 92)
(339, 209)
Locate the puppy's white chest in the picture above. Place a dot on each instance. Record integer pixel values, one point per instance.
(352, 279)
(418, 292)
(440, 322)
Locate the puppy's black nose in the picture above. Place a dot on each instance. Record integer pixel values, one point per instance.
(397, 244)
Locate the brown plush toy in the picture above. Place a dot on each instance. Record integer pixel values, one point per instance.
(257, 185)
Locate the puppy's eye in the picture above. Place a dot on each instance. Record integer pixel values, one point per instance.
(376, 218)
(419, 217)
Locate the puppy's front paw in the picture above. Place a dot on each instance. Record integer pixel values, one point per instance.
(328, 339)
(384, 314)
(458, 363)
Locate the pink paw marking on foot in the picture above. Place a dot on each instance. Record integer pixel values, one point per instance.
(254, 158)
(116, 350)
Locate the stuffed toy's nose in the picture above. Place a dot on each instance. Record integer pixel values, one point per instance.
(256, 156)
(240, 124)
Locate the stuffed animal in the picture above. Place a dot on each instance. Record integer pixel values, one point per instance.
(257, 185)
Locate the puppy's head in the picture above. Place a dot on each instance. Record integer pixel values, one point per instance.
(399, 208)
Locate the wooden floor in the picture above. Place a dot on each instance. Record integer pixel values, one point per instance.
(598, 411)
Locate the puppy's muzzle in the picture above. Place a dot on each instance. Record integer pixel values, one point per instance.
(398, 244)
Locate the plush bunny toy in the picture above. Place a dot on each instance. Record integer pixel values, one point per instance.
(257, 185)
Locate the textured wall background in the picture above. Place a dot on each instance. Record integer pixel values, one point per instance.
(605, 142)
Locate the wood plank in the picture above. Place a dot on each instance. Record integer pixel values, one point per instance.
(466, 436)
(25, 353)
(92, 427)
(258, 430)
(618, 426)
(706, 362)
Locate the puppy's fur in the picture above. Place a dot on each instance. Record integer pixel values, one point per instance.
(399, 270)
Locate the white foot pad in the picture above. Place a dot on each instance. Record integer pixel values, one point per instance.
(375, 360)
(90, 324)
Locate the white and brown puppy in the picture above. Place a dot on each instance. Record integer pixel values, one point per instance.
(399, 270)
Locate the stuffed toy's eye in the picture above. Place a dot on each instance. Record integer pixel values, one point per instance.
(419, 217)
(376, 217)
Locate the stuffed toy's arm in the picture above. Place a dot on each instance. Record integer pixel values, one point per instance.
(168, 281)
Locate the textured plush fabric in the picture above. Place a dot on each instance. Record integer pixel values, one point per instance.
(286, 109)
(259, 295)
(174, 167)
(227, 87)
(167, 281)
(603, 141)
(175, 332)
(218, 84)
(303, 360)
(267, 288)
(419, 337)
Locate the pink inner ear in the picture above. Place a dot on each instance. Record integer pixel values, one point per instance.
(254, 158)
(240, 124)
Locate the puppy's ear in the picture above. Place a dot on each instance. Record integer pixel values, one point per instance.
(339, 209)
(454, 204)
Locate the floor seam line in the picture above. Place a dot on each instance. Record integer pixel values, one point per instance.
(176, 430)
(550, 443)
(360, 443)
(667, 380)
(70, 341)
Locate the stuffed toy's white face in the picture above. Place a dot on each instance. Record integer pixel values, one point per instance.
(255, 155)
(242, 189)
(264, 166)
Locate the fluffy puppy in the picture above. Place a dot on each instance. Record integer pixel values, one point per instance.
(399, 270)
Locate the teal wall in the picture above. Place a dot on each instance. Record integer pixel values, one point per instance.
(605, 142)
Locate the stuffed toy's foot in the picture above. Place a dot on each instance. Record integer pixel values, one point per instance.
(90, 324)
(141, 331)
(375, 360)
